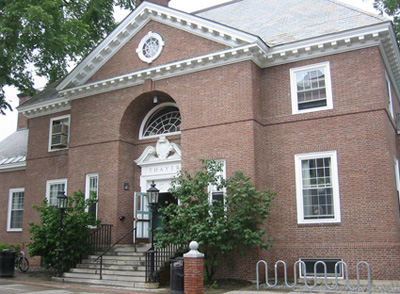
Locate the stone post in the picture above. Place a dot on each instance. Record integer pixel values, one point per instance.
(194, 267)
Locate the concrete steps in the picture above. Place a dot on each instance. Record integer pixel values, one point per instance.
(123, 266)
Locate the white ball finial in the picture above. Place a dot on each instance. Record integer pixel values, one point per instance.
(194, 245)
(193, 253)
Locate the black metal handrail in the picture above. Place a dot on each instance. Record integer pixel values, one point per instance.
(112, 246)
(161, 257)
(98, 238)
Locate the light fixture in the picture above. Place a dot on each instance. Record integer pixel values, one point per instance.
(152, 194)
(61, 205)
(152, 197)
(61, 200)
(155, 99)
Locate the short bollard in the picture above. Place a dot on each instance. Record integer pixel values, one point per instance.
(194, 267)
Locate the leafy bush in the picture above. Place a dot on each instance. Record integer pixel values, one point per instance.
(7, 246)
(75, 222)
(235, 224)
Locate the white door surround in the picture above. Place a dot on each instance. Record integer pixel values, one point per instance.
(159, 164)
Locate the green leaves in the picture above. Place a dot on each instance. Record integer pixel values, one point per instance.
(391, 8)
(237, 224)
(45, 35)
(46, 235)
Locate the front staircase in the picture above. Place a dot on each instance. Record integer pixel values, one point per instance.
(123, 266)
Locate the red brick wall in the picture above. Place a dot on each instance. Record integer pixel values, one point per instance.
(178, 45)
(363, 135)
(11, 180)
(242, 114)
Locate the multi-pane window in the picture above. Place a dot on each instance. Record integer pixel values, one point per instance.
(390, 99)
(397, 175)
(317, 187)
(52, 189)
(216, 193)
(330, 263)
(59, 133)
(92, 189)
(15, 209)
(162, 120)
(311, 88)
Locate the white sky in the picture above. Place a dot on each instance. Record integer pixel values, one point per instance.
(8, 123)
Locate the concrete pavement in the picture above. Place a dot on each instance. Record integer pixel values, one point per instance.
(41, 283)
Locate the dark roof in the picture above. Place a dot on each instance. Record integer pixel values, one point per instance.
(47, 94)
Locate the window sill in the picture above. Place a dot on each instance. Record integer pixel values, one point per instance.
(330, 224)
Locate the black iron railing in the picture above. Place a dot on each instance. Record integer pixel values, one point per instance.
(100, 257)
(155, 262)
(98, 239)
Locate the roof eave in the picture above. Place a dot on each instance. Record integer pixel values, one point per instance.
(138, 19)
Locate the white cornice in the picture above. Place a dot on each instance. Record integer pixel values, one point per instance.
(181, 67)
(45, 108)
(136, 21)
(12, 167)
(379, 35)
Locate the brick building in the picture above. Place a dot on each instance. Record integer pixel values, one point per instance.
(300, 95)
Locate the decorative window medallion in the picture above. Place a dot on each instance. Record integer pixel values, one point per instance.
(150, 47)
(164, 119)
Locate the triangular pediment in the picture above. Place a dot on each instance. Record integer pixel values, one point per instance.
(135, 21)
(238, 45)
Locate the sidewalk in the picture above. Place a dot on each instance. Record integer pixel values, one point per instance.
(36, 282)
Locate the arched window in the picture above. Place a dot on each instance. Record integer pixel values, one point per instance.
(161, 120)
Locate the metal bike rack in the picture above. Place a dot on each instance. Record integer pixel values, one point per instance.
(311, 287)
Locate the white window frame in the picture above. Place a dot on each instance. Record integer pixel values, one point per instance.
(87, 189)
(67, 117)
(50, 183)
(328, 87)
(335, 187)
(213, 188)
(397, 175)
(390, 97)
(10, 202)
(148, 36)
(149, 116)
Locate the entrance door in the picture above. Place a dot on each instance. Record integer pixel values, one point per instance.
(142, 217)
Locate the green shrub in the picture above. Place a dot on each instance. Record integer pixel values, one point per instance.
(75, 222)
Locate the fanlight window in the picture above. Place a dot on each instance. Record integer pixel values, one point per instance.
(165, 120)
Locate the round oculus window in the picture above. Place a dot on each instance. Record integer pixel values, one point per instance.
(150, 47)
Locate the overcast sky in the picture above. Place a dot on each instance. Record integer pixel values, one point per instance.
(8, 123)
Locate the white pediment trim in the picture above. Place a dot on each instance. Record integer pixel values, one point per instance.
(135, 21)
(164, 71)
(381, 35)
